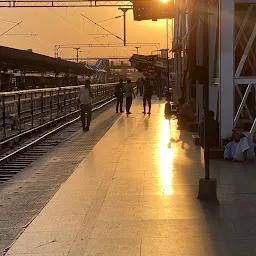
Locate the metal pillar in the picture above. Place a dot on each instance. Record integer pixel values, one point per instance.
(213, 48)
(199, 62)
(177, 52)
(226, 66)
(167, 58)
(206, 93)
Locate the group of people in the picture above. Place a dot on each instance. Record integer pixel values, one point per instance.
(127, 90)
(121, 90)
(241, 148)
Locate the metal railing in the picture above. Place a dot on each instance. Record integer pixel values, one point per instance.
(24, 110)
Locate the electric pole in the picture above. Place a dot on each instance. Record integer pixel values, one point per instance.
(77, 53)
(124, 10)
(137, 48)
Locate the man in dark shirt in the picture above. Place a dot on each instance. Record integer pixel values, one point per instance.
(119, 93)
(148, 91)
(213, 132)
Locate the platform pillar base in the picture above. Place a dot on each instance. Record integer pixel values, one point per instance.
(207, 190)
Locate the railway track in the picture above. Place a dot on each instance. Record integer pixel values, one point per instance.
(15, 161)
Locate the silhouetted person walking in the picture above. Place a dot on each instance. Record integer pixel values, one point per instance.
(139, 86)
(119, 93)
(85, 98)
(148, 91)
(128, 90)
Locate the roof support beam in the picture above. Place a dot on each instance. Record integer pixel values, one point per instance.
(63, 3)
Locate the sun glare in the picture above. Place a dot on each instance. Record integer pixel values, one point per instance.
(166, 157)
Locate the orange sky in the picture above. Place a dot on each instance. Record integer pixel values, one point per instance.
(53, 29)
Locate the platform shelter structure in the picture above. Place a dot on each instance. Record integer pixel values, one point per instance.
(228, 27)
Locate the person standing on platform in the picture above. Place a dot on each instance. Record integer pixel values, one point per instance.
(119, 93)
(139, 86)
(148, 91)
(85, 98)
(128, 90)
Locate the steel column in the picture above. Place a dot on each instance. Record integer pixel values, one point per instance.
(213, 27)
(226, 66)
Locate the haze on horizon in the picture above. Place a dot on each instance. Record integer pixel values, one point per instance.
(67, 26)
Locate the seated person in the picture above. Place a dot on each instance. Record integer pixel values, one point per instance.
(213, 131)
(185, 114)
(230, 148)
(244, 150)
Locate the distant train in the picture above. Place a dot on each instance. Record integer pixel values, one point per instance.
(17, 81)
(9, 81)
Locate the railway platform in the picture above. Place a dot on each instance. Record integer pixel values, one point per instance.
(135, 194)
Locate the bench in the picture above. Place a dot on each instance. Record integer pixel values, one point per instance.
(196, 139)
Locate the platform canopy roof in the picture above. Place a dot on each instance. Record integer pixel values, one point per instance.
(148, 63)
(33, 62)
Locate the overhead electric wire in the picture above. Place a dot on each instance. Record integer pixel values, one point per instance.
(9, 21)
(65, 19)
(117, 17)
(17, 24)
(95, 23)
(26, 35)
(76, 13)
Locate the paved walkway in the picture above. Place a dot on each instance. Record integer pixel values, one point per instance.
(26, 193)
(135, 194)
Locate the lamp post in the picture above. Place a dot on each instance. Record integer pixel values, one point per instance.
(124, 10)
